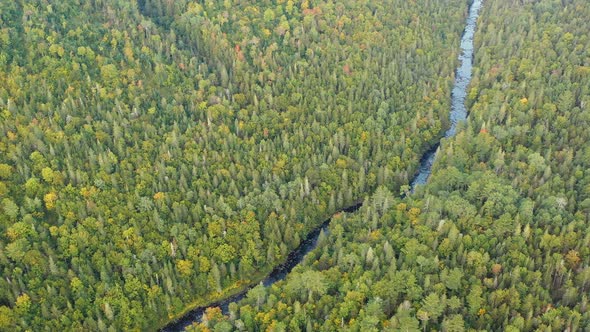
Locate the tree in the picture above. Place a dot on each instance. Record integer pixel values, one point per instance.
(185, 267)
(572, 259)
(258, 295)
(310, 281)
(50, 198)
(23, 304)
(452, 278)
(424, 316)
(5, 171)
(7, 318)
(432, 306)
(225, 253)
(47, 174)
(10, 208)
(453, 323)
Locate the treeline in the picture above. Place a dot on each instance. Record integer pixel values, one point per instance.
(156, 155)
(498, 240)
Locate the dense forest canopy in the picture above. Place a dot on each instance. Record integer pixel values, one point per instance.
(498, 240)
(156, 155)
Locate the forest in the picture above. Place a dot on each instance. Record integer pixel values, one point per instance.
(159, 155)
(498, 239)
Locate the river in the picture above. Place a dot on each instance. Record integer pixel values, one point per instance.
(462, 79)
(457, 114)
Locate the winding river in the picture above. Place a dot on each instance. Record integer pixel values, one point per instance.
(457, 114)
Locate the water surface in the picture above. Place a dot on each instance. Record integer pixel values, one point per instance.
(458, 111)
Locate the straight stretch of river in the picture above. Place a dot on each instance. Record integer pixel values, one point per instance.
(458, 113)
(462, 79)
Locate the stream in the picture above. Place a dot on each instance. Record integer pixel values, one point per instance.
(457, 114)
